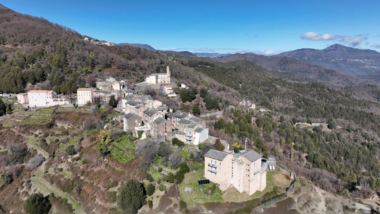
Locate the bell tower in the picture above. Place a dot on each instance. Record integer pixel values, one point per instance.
(168, 71)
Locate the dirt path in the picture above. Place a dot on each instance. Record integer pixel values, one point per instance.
(322, 204)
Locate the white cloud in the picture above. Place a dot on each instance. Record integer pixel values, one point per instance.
(353, 41)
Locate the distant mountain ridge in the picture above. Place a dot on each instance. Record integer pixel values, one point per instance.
(212, 54)
(297, 67)
(352, 61)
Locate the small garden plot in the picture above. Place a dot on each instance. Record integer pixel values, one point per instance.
(123, 150)
(39, 117)
(200, 194)
(184, 154)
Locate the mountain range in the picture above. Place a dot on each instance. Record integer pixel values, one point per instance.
(352, 61)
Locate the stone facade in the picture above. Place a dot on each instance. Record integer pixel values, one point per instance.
(85, 96)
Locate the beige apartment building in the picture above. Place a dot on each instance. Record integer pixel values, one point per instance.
(244, 170)
(85, 95)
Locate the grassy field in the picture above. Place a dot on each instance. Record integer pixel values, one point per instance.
(123, 150)
(201, 193)
(38, 117)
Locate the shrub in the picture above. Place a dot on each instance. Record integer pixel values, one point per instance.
(218, 145)
(162, 187)
(149, 177)
(178, 142)
(170, 177)
(70, 150)
(132, 196)
(180, 175)
(160, 169)
(182, 205)
(150, 189)
(37, 204)
(150, 204)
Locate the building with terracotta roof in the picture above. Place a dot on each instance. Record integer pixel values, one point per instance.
(45, 98)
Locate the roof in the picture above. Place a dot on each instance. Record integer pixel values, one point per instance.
(192, 125)
(129, 115)
(86, 89)
(162, 108)
(184, 121)
(215, 154)
(180, 114)
(168, 86)
(198, 130)
(150, 112)
(40, 91)
(133, 102)
(159, 120)
(251, 155)
(195, 119)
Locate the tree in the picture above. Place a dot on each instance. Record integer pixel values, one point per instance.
(330, 123)
(196, 109)
(112, 102)
(170, 177)
(37, 204)
(132, 196)
(2, 108)
(150, 189)
(178, 142)
(175, 160)
(218, 145)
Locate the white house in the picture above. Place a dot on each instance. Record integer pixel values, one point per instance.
(45, 98)
(22, 98)
(84, 96)
(200, 135)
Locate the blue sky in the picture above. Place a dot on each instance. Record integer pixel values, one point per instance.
(266, 27)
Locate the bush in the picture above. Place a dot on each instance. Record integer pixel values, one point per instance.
(150, 204)
(149, 177)
(170, 177)
(150, 189)
(183, 169)
(179, 143)
(70, 150)
(218, 145)
(160, 169)
(132, 196)
(37, 204)
(182, 205)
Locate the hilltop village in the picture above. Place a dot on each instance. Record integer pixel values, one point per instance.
(146, 118)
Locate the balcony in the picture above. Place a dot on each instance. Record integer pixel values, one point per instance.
(213, 165)
(212, 170)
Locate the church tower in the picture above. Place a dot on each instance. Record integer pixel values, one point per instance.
(167, 71)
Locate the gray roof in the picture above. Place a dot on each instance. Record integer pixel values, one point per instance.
(251, 155)
(133, 102)
(180, 114)
(184, 121)
(150, 112)
(129, 115)
(198, 130)
(215, 154)
(159, 120)
(162, 108)
(195, 119)
(192, 125)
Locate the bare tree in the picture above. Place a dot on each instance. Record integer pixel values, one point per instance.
(175, 160)
(16, 152)
(35, 162)
(147, 151)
